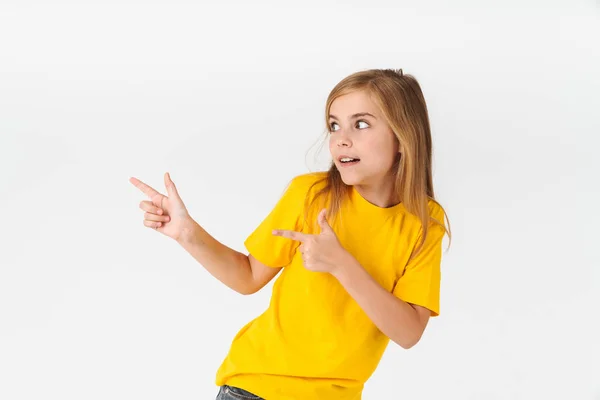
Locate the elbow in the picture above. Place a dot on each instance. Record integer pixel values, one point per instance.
(407, 343)
(245, 282)
(248, 287)
(246, 290)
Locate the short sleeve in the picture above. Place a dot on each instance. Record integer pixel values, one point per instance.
(420, 282)
(275, 251)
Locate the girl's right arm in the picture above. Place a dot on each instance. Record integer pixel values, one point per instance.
(169, 216)
(242, 273)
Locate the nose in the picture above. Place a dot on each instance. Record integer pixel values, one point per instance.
(343, 140)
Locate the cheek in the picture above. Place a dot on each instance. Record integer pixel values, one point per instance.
(383, 146)
(332, 140)
(388, 158)
(390, 147)
(387, 151)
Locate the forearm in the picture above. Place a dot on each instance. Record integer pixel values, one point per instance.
(395, 318)
(230, 267)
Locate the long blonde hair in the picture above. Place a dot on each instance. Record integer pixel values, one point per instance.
(402, 103)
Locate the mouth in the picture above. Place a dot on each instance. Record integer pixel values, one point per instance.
(347, 161)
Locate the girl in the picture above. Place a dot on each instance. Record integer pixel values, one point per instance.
(358, 246)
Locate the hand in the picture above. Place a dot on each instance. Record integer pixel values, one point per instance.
(167, 215)
(322, 252)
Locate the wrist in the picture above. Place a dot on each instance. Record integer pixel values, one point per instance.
(346, 264)
(189, 232)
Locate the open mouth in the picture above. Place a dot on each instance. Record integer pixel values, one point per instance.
(349, 161)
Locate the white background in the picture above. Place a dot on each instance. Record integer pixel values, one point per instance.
(229, 99)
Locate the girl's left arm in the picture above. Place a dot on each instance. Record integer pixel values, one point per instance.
(402, 322)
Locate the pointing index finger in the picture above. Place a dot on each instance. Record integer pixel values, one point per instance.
(150, 192)
(299, 236)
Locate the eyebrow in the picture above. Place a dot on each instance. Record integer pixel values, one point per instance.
(362, 114)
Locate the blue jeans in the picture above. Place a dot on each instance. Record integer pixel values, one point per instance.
(233, 393)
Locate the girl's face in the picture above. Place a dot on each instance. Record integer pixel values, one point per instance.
(361, 143)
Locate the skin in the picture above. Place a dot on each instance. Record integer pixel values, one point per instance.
(368, 138)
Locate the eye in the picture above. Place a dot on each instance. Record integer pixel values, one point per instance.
(364, 122)
(331, 126)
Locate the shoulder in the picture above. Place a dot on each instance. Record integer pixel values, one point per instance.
(436, 210)
(304, 183)
(437, 217)
(437, 220)
(301, 187)
(309, 178)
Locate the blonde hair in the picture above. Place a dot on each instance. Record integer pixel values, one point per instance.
(403, 106)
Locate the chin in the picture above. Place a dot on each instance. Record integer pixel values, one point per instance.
(350, 179)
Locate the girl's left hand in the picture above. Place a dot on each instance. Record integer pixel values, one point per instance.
(322, 252)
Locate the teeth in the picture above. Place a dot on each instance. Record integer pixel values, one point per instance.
(347, 159)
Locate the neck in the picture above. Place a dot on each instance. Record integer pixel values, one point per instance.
(381, 194)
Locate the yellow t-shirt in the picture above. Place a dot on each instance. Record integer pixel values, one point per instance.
(314, 341)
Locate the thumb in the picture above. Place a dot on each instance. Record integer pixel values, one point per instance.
(322, 219)
(170, 185)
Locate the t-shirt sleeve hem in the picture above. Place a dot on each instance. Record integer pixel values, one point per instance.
(433, 308)
(255, 250)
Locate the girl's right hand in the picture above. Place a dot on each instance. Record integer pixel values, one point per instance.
(167, 215)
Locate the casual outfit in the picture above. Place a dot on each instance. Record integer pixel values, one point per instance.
(314, 341)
